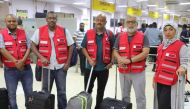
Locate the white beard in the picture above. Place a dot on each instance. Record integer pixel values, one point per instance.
(131, 30)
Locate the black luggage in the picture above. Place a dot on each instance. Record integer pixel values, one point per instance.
(109, 103)
(113, 103)
(42, 100)
(4, 100)
(83, 100)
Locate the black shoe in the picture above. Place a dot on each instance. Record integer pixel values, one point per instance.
(82, 74)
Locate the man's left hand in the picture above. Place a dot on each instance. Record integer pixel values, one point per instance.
(66, 67)
(109, 66)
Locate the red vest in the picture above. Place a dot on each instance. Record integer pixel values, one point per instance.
(17, 48)
(168, 61)
(60, 44)
(131, 49)
(92, 46)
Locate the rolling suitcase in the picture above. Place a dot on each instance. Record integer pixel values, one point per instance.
(4, 100)
(42, 100)
(113, 103)
(187, 99)
(83, 100)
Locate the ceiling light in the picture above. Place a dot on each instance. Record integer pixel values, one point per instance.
(187, 3)
(151, 5)
(79, 3)
(1, 1)
(122, 6)
(144, 11)
(141, 0)
(160, 8)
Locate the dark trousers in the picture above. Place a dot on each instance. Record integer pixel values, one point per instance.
(59, 76)
(12, 77)
(153, 51)
(164, 96)
(102, 77)
(82, 60)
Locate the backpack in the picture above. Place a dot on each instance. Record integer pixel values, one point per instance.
(74, 56)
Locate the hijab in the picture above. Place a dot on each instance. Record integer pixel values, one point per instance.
(166, 42)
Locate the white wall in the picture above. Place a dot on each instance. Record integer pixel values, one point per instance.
(29, 5)
(4, 9)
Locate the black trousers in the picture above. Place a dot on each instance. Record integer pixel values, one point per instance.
(153, 50)
(164, 96)
(82, 60)
(102, 78)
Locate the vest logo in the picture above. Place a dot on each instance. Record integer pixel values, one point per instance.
(22, 41)
(91, 41)
(43, 42)
(61, 40)
(137, 46)
(122, 48)
(8, 43)
(171, 55)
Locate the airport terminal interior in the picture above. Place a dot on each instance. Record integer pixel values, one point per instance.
(70, 13)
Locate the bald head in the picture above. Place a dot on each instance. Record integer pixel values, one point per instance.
(11, 22)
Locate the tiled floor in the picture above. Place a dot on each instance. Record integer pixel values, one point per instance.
(75, 85)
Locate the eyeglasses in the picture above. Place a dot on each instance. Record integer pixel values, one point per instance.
(132, 22)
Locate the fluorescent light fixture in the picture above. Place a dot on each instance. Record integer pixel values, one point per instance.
(141, 0)
(121, 6)
(144, 11)
(1, 1)
(185, 3)
(151, 5)
(188, 10)
(176, 14)
(79, 3)
(169, 12)
(160, 8)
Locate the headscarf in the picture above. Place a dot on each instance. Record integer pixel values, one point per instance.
(166, 41)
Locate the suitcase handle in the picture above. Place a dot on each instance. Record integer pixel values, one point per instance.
(48, 78)
(116, 82)
(177, 91)
(89, 78)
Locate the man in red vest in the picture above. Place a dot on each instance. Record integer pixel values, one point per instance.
(15, 49)
(131, 49)
(97, 47)
(54, 52)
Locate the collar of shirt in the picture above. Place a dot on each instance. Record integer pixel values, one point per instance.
(12, 34)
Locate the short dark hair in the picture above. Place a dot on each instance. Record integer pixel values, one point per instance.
(51, 12)
(19, 21)
(81, 23)
(154, 25)
(119, 24)
(184, 26)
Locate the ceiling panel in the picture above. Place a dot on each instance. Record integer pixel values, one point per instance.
(172, 5)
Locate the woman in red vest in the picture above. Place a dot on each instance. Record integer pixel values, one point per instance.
(171, 67)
